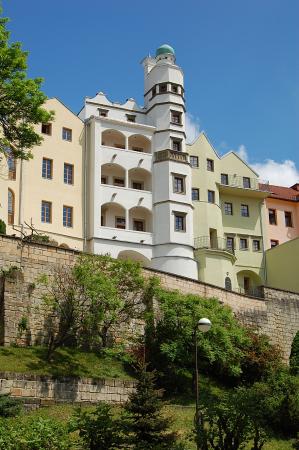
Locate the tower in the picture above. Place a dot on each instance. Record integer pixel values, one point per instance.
(172, 205)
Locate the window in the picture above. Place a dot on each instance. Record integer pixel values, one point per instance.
(246, 182)
(47, 168)
(243, 244)
(137, 149)
(119, 182)
(66, 134)
(194, 161)
(174, 88)
(244, 211)
(67, 216)
(120, 222)
(228, 209)
(176, 117)
(179, 222)
(210, 165)
(274, 243)
(228, 284)
(288, 219)
(68, 175)
(11, 207)
(103, 112)
(138, 225)
(230, 243)
(137, 185)
(154, 91)
(104, 180)
(195, 194)
(178, 185)
(224, 178)
(47, 128)
(11, 168)
(256, 245)
(163, 88)
(176, 145)
(272, 217)
(46, 212)
(131, 117)
(211, 196)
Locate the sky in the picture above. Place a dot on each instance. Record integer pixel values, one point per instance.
(240, 59)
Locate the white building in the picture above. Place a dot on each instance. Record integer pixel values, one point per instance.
(138, 175)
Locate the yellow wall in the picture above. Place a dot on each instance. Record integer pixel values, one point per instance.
(282, 266)
(215, 265)
(31, 188)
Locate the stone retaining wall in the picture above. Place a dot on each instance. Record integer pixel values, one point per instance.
(43, 390)
(277, 314)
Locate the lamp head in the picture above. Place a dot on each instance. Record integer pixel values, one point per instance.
(204, 325)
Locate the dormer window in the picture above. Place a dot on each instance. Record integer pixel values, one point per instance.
(163, 88)
(103, 112)
(131, 117)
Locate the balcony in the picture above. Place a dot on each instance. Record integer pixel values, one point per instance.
(244, 186)
(171, 155)
(216, 243)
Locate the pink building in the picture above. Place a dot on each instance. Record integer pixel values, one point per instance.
(283, 214)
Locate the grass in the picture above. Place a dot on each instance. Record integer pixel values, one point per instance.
(67, 362)
(182, 423)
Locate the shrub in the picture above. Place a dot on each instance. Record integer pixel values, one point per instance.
(10, 407)
(2, 227)
(37, 434)
(98, 429)
(294, 358)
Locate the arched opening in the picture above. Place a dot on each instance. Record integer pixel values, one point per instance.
(294, 357)
(134, 256)
(113, 174)
(228, 284)
(140, 219)
(11, 207)
(139, 143)
(249, 283)
(113, 215)
(140, 179)
(113, 138)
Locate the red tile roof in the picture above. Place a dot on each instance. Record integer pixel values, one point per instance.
(284, 193)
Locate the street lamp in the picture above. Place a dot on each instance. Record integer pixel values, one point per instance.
(202, 325)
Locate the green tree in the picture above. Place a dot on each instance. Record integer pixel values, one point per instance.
(21, 100)
(145, 425)
(294, 358)
(2, 227)
(88, 304)
(171, 349)
(98, 429)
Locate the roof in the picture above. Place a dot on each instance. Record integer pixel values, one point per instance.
(165, 48)
(283, 193)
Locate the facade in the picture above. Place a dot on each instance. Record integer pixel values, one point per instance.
(282, 266)
(282, 214)
(229, 219)
(47, 191)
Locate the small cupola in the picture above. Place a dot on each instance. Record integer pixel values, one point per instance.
(166, 52)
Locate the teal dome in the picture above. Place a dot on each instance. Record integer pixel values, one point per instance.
(165, 48)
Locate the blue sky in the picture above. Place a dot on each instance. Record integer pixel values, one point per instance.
(240, 59)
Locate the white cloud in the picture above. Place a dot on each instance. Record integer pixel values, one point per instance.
(242, 152)
(280, 173)
(283, 173)
(192, 128)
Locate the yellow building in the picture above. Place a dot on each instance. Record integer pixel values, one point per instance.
(228, 219)
(282, 266)
(47, 191)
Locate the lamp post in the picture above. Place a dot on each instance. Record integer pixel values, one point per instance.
(202, 325)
